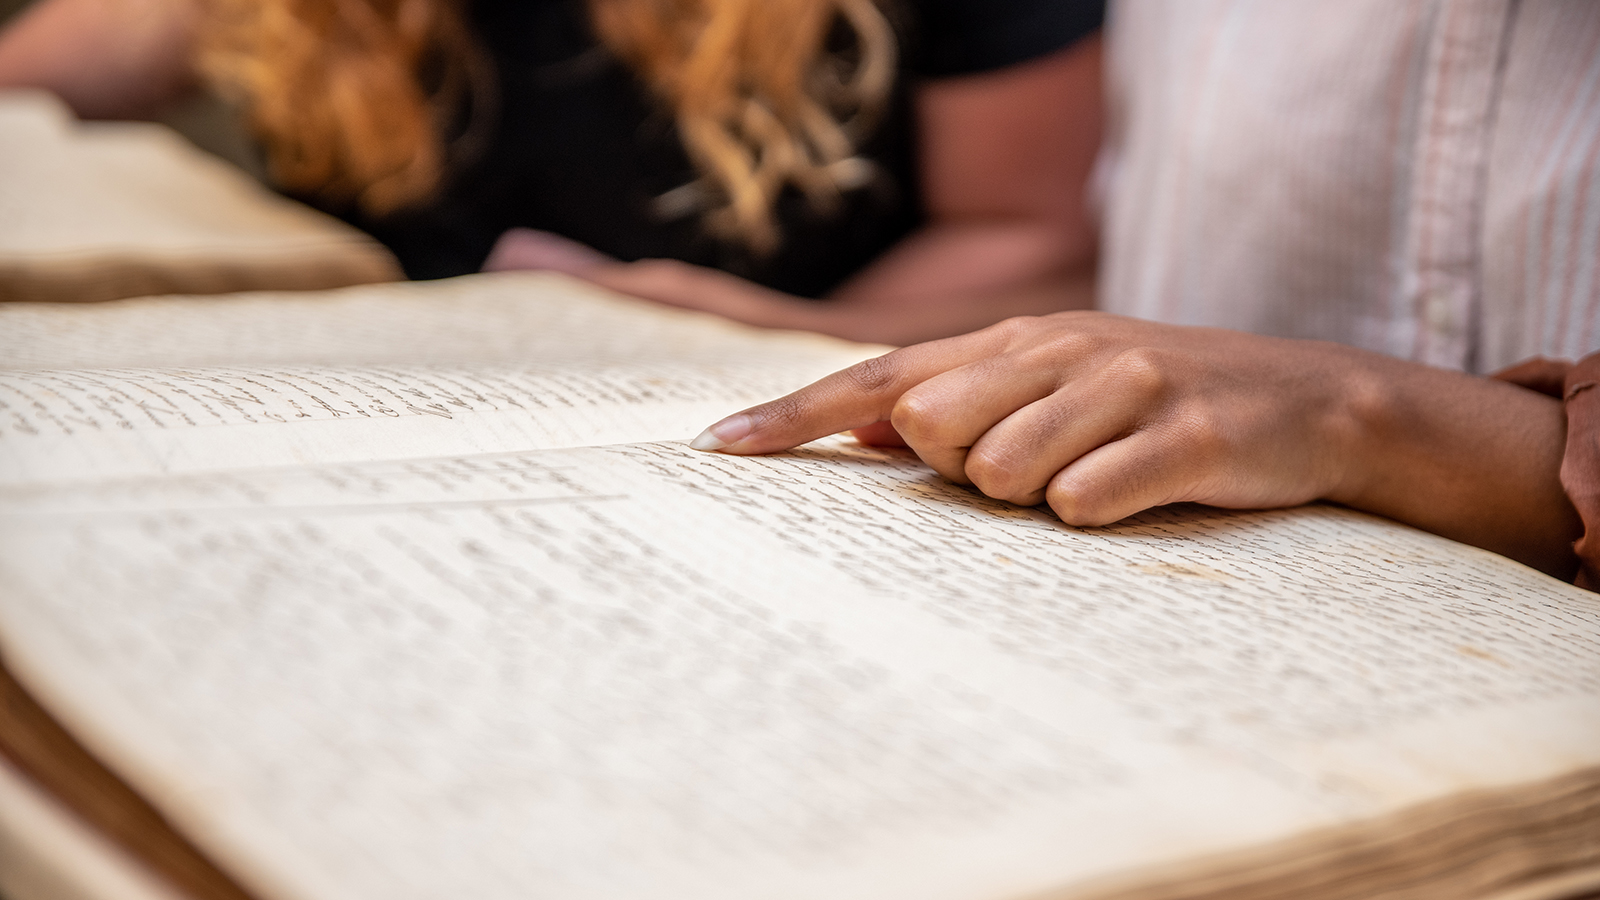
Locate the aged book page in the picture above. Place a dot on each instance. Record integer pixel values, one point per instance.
(634, 670)
(95, 211)
(487, 318)
(480, 628)
(476, 364)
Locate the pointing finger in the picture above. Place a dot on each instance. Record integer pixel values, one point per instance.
(861, 395)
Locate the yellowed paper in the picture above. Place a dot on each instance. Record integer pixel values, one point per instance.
(543, 649)
(637, 670)
(473, 365)
(97, 211)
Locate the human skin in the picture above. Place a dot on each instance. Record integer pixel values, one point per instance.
(108, 59)
(1005, 159)
(1102, 416)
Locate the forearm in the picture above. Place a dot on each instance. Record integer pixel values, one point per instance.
(1471, 459)
(894, 312)
(1004, 159)
(105, 58)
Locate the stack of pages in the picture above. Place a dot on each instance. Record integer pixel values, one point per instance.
(416, 591)
(102, 210)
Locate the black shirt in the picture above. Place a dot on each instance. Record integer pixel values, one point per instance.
(578, 147)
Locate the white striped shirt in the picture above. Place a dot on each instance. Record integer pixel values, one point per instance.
(1417, 177)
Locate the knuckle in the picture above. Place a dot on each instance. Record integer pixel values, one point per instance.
(1197, 435)
(995, 473)
(1002, 486)
(1016, 328)
(916, 418)
(1145, 370)
(1079, 505)
(1062, 345)
(989, 471)
(873, 376)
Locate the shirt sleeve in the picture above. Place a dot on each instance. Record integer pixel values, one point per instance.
(963, 37)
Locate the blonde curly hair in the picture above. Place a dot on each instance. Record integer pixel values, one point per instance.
(352, 99)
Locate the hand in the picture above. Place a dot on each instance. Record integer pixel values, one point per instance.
(108, 59)
(1097, 415)
(666, 281)
(528, 248)
(890, 316)
(1102, 417)
(887, 318)
(688, 286)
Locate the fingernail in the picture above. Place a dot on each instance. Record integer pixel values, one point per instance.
(728, 432)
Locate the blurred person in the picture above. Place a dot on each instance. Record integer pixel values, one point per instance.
(1325, 224)
(902, 159)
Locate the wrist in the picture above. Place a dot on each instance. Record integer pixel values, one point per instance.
(1469, 458)
(1364, 429)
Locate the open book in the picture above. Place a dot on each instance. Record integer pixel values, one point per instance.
(102, 210)
(415, 591)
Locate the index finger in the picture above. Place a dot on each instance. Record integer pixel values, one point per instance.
(856, 397)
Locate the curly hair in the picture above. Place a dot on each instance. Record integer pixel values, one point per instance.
(354, 101)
